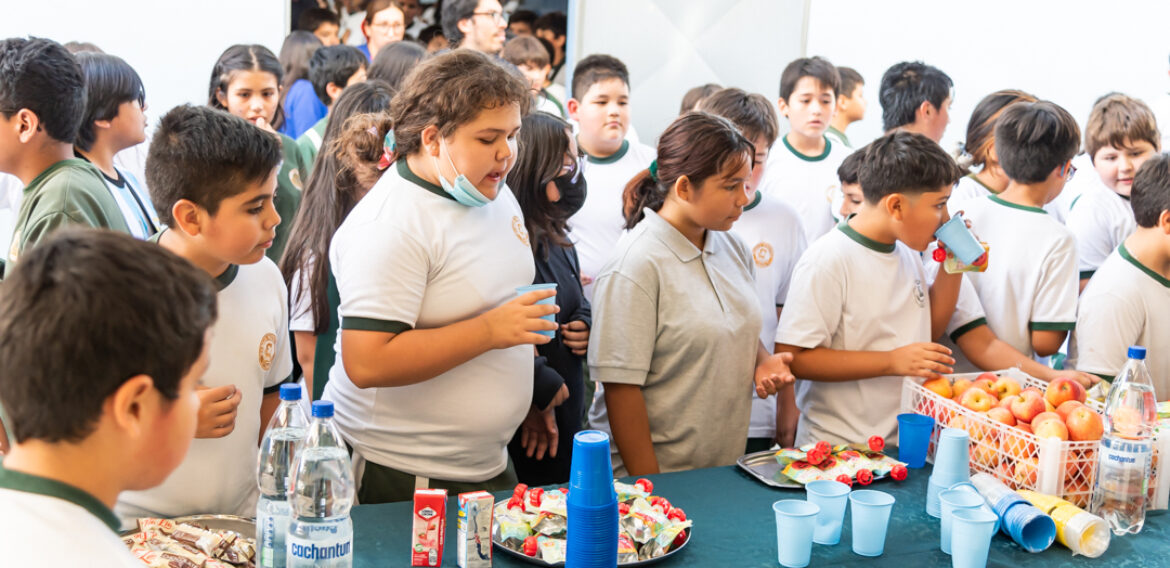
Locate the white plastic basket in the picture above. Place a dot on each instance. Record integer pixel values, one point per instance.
(1019, 458)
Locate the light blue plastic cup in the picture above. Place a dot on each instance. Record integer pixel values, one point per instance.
(970, 488)
(954, 500)
(971, 531)
(952, 462)
(794, 531)
(831, 496)
(870, 516)
(547, 301)
(959, 240)
(914, 431)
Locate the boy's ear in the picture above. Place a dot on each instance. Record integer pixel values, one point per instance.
(333, 91)
(189, 217)
(27, 124)
(1164, 222)
(783, 106)
(573, 105)
(842, 103)
(925, 111)
(896, 205)
(132, 403)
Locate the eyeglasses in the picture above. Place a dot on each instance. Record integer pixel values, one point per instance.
(1070, 172)
(497, 17)
(384, 27)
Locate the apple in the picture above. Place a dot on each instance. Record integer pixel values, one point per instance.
(959, 387)
(988, 375)
(1062, 389)
(1084, 425)
(1025, 472)
(1026, 408)
(984, 454)
(1024, 426)
(1032, 392)
(1051, 429)
(976, 399)
(1067, 407)
(1001, 414)
(1035, 422)
(988, 385)
(1005, 387)
(1006, 403)
(941, 386)
(1048, 407)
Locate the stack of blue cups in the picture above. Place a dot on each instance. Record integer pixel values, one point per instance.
(1019, 519)
(951, 466)
(592, 504)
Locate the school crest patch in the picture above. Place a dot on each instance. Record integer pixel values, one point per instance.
(294, 177)
(267, 350)
(520, 230)
(762, 253)
(919, 294)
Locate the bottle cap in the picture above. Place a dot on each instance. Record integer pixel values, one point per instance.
(291, 391)
(322, 409)
(1137, 352)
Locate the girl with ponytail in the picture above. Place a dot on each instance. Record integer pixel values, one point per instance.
(979, 149)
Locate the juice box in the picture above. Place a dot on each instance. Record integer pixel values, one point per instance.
(429, 527)
(475, 529)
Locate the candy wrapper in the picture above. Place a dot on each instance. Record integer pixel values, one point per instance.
(627, 492)
(953, 265)
(846, 460)
(552, 550)
(627, 552)
(165, 543)
(662, 541)
(550, 525)
(509, 527)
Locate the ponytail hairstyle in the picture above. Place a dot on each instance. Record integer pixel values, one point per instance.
(696, 145)
(245, 58)
(981, 127)
(345, 169)
(541, 149)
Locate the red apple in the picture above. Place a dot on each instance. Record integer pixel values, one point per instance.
(1025, 473)
(976, 399)
(1084, 425)
(959, 387)
(1066, 408)
(985, 383)
(1051, 429)
(1006, 403)
(1062, 390)
(1040, 418)
(1005, 387)
(1024, 426)
(941, 386)
(1026, 408)
(1000, 414)
(1032, 392)
(989, 376)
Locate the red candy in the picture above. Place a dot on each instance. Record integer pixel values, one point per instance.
(623, 509)
(876, 443)
(864, 476)
(535, 495)
(515, 502)
(824, 447)
(645, 484)
(677, 514)
(530, 546)
(565, 490)
(899, 472)
(845, 479)
(815, 456)
(520, 489)
(939, 255)
(679, 540)
(661, 503)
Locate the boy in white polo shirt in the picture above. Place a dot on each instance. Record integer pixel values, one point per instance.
(110, 410)
(1120, 136)
(1030, 287)
(772, 229)
(601, 108)
(860, 314)
(212, 176)
(1129, 295)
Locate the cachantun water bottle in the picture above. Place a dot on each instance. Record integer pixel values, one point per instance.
(276, 459)
(1123, 460)
(321, 533)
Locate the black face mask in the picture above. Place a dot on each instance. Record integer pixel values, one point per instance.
(573, 190)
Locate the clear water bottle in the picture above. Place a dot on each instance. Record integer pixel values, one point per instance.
(1123, 461)
(277, 452)
(321, 534)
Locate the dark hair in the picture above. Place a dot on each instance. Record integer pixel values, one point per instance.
(1150, 195)
(394, 62)
(751, 113)
(450, 90)
(548, 48)
(850, 79)
(595, 69)
(523, 17)
(981, 127)
(206, 155)
(905, 86)
(525, 50)
(334, 64)
(696, 145)
(295, 54)
(343, 171)
(41, 76)
(129, 307)
(1032, 139)
(906, 163)
(245, 58)
(375, 6)
(541, 147)
(695, 95)
(850, 169)
(312, 18)
(76, 47)
(816, 67)
(428, 33)
(109, 82)
(455, 11)
(1117, 118)
(556, 22)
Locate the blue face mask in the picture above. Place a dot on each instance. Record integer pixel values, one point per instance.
(462, 190)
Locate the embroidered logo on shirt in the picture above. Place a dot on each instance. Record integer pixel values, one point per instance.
(520, 230)
(919, 294)
(762, 253)
(267, 350)
(294, 177)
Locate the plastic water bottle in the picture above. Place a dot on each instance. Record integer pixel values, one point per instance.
(1123, 461)
(321, 533)
(277, 451)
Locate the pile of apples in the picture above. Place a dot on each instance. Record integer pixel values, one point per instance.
(1058, 412)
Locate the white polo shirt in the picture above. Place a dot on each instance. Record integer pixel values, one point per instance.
(851, 293)
(1100, 219)
(969, 187)
(1031, 278)
(249, 349)
(1123, 305)
(410, 257)
(772, 230)
(49, 523)
(808, 183)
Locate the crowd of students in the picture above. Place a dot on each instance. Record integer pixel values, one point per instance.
(730, 289)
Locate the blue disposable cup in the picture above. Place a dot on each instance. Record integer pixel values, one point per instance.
(1027, 525)
(953, 500)
(591, 470)
(951, 458)
(933, 489)
(547, 301)
(970, 488)
(914, 432)
(795, 520)
(870, 516)
(831, 496)
(958, 238)
(971, 531)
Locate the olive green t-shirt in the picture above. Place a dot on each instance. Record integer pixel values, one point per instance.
(289, 184)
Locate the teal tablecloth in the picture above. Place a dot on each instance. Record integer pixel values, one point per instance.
(735, 526)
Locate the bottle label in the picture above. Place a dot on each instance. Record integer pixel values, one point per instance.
(320, 543)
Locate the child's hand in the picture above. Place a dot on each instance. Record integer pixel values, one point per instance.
(575, 336)
(217, 411)
(1087, 380)
(263, 124)
(586, 280)
(772, 374)
(538, 433)
(927, 360)
(515, 322)
(558, 399)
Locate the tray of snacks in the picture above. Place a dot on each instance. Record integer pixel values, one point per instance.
(206, 541)
(791, 468)
(531, 525)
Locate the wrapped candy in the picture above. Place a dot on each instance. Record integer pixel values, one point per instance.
(549, 525)
(627, 552)
(551, 549)
(627, 492)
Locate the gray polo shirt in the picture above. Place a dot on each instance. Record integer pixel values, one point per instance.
(683, 324)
